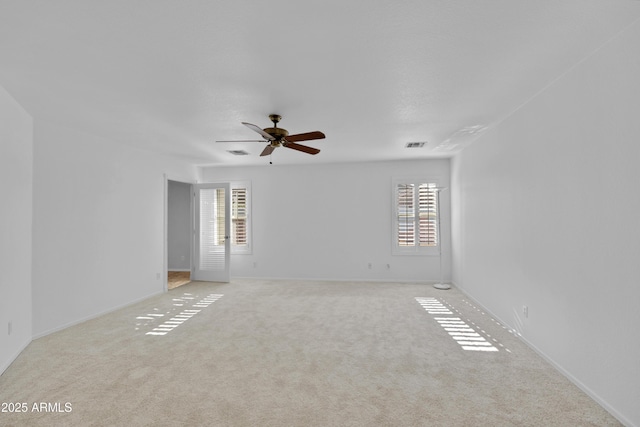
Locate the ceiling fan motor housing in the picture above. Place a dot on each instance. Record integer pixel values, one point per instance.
(277, 133)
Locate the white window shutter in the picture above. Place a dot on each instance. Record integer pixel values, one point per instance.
(212, 228)
(427, 211)
(239, 216)
(405, 214)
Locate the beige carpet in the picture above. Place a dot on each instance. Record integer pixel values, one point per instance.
(278, 353)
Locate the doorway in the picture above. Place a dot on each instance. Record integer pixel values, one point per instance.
(179, 234)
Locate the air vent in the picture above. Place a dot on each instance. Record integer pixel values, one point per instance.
(415, 144)
(238, 152)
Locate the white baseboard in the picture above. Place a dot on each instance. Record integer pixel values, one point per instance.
(14, 357)
(93, 316)
(626, 422)
(333, 279)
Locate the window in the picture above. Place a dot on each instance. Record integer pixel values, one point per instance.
(415, 217)
(240, 217)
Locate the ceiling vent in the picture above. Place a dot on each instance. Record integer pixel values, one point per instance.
(238, 152)
(415, 144)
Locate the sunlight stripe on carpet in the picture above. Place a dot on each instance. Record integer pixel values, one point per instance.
(467, 337)
(181, 317)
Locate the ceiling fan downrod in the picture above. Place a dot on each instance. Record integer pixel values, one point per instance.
(275, 118)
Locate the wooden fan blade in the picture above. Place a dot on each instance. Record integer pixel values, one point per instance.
(245, 140)
(259, 130)
(302, 148)
(267, 150)
(305, 136)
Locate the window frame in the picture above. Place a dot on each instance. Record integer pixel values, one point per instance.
(416, 249)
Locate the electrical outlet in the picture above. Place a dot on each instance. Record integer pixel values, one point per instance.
(525, 311)
(255, 265)
(9, 328)
(158, 276)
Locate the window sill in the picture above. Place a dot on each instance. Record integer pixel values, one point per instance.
(429, 253)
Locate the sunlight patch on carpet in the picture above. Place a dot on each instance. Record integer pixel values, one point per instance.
(174, 320)
(460, 330)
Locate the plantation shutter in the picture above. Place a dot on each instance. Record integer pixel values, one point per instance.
(427, 209)
(406, 214)
(212, 202)
(212, 228)
(239, 216)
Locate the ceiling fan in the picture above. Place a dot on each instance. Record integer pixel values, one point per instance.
(279, 137)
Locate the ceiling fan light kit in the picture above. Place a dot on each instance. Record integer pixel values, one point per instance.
(279, 137)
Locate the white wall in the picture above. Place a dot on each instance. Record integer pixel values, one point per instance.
(16, 182)
(330, 221)
(545, 214)
(99, 225)
(179, 226)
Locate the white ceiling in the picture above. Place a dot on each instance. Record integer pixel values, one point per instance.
(173, 76)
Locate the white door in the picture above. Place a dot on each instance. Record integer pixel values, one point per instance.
(212, 230)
